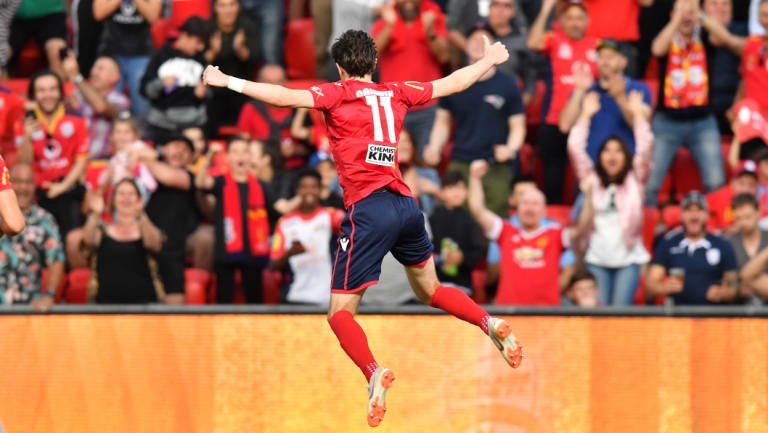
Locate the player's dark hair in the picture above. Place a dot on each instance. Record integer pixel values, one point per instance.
(581, 274)
(453, 177)
(44, 73)
(600, 170)
(355, 52)
(745, 200)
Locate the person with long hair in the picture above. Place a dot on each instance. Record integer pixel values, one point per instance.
(616, 251)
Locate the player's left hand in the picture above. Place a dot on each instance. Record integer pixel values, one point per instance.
(496, 52)
(212, 76)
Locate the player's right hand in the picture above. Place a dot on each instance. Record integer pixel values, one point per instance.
(212, 76)
(478, 168)
(496, 52)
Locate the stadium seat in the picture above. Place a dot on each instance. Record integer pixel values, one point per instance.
(560, 213)
(527, 156)
(533, 110)
(479, 281)
(161, 31)
(195, 285)
(664, 195)
(300, 49)
(31, 59)
(227, 131)
(650, 221)
(77, 286)
(272, 282)
(183, 9)
(685, 174)
(670, 216)
(653, 85)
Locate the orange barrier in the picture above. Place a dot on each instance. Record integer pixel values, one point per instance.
(228, 373)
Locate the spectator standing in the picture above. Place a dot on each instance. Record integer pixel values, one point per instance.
(126, 37)
(56, 144)
(11, 218)
(97, 100)
(692, 266)
(490, 125)
(234, 47)
(618, 20)
(747, 241)
(172, 208)
(530, 254)
(124, 270)
(719, 202)
(411, 41)
(684, 114)
(46, 21)
(24, 256)
(268, 16)
(616, 252)
(241, 222)
(569, 50)
(302, 242)
(615, 117)
(173, 82)
(348, 15)
(751, 110)
(457, 238)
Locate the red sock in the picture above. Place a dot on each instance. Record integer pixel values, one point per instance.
(456, 302)
(352, 339)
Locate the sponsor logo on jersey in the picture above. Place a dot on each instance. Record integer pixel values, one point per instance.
(380, 155)
(317, 90)
(343, 242)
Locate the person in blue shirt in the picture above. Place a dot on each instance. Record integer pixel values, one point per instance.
(691, 266)
(614, 118)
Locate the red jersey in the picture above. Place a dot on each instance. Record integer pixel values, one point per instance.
(614, 19)
(754, 70)
(531, 265)
(566, 55)
(364, 121)
(11, 110)
(5, 177)
(720, 210)
(56, 145)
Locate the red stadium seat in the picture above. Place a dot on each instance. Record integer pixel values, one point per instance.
(653, 85)
(77, 287)
(650, 221)
(479, 281)
(559, 213)
(31, 60)
(161, 31)
(670, 216)
(300, 48)
(272, 282)
(195, 285)
(664, 195)
(181, 10)
(527, 156)
(227, 131)
(533, 110)
(685, 174)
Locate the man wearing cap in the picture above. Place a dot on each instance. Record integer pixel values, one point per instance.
(172, 208)
(173, 82)
(719, 202)
(691, 266)
(614, 118)
(569, 50)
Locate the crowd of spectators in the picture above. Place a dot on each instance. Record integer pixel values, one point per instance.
(545, 183)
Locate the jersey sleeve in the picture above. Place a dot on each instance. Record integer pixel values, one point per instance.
(327, 95)
(415, 92)
(5, 177)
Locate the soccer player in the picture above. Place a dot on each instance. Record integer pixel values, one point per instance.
(11, 218)
(364, 120)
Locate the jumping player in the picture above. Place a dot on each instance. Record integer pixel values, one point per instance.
(364, 120)
(11, 218)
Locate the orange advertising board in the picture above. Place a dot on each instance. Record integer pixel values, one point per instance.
(283, 373)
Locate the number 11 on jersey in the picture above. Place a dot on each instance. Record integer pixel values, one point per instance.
(375, 102)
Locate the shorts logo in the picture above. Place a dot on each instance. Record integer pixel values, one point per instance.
(344, 242)
(380, 155)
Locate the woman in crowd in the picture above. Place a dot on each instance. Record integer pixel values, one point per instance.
(123, 268)
(616, 251)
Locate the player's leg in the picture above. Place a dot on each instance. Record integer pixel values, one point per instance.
(350, 334)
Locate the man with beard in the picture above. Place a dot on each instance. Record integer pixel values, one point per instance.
(690, 265)
(56, 143)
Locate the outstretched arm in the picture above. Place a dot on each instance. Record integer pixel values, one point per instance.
(11, 218)
(461, 79)
(487, 219)
(272, 94)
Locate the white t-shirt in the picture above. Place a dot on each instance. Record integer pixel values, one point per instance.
(607, 246)
(311, 269)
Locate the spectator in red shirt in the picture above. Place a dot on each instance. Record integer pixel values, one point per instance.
(618, 20)
(530, 254)
(719, 201)
(569, 49)
(56, 144)
(751, 112)
(11, 111)
(11, 218)
(412, 44)
(259, 121)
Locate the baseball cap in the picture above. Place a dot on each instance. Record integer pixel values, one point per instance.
(694, 197)
(610, 44)
(181, 138)
(747, 167)
(195, 26)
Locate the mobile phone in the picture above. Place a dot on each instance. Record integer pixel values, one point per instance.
(29, 114)
(63, 53)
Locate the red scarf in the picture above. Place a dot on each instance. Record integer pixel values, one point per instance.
(686, 83)
(256, 215)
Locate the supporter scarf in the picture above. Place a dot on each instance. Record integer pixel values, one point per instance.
(256, 217)
(686, 83)
(50, 128)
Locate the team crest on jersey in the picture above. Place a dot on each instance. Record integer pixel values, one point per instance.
(565, 51)
(526, 254)
(713, 256)
(67, 129)
(52, 149)
(542, 242)
(317, 90)
(496, 101)
(380, 155)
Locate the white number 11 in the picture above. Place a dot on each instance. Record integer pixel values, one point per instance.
(386, 102)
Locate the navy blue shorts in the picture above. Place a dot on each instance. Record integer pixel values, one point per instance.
(384, 221)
